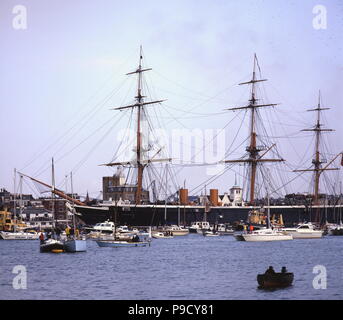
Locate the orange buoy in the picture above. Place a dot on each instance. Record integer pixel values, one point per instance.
(57, 251)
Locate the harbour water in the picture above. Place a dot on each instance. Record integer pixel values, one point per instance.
(186, 267)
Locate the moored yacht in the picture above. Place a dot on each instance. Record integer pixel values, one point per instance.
(162, 235)
(105, 227)
(19, 235)
(199, 226)
(267, 234)
(177, 231)
(210, 233)
(224, 230)
(102, 230)
(304, 231)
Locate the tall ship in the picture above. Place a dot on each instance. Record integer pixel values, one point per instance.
(130, 195)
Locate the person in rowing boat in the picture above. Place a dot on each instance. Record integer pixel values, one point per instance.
(270, 270)
(283, 270)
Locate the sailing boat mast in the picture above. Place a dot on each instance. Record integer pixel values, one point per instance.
(52, 191)
(139, 98)
(317, 161)
(72, 195)
(21, 204)
(140, 163)
(253, 150)
(15, 194)
(340, 203)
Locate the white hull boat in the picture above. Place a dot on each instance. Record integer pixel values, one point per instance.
(161, 235)
(266, 235)
(75, 245)
(210, 234)
(178, 231)
(18, 235)
(224, 230)
(199, 226)
(307, 235)
(304, 231)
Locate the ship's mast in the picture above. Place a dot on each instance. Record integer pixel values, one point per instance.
(253, 150)
(52, 192)
(140, 163)
(139, 98)
(317, 161)
(15, 194)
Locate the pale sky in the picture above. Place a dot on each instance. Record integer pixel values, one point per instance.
(62, 74)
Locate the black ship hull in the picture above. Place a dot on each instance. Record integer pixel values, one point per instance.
(150, 215)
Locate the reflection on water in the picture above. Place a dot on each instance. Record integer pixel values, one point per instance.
(189, 267)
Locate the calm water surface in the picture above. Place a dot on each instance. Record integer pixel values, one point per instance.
(189, 267)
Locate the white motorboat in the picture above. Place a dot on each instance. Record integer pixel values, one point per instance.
(19, 235)
(162, 235)
(105, 227)
(209, 233)
(123, 229)
(224, 230)
(304, 231)
(102, 230)
(199, 226)
(177, 231)
(267, 234)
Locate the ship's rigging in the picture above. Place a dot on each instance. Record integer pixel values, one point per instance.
(141, 167)
(142, 159)
(255, 152)
(318, 160)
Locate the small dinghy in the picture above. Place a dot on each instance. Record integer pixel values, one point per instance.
(271, 279)
(239, 236)
(116, 243)
(119, 244)
(52, 245)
